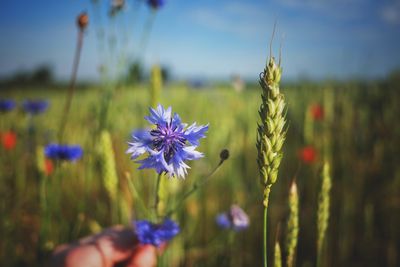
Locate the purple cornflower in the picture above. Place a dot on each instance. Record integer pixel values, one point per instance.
(155, 234)
(156, 4)
(167, 145)
(6, 105)
(235, 219)
(35, 106)
(63, 152)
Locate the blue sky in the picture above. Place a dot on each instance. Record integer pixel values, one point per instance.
(207, 38)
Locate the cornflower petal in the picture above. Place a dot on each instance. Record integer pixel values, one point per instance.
(35, 106)
(6, 105)
(141, 143)
(168, 229)
(176, 122)
(179, 167)
(235, 219)
(157, 161)
(191, 154)
(63, 152)
(193, 133)
(155, 234)
(159, 116)
(239, 218)
(223, 220)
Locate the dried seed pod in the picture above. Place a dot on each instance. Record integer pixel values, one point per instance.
(82, 20)
(224, 155)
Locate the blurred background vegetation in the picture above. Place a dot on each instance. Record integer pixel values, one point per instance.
(365, 173)
(45, 203)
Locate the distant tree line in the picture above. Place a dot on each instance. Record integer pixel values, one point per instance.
(137, 73)
(42, 75)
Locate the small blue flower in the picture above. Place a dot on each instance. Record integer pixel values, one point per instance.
(223, 221)
(6, 105)
(35, 106)
(155, 234)
(155, 4)
(235, 219)
(168, 145)
(63, 152)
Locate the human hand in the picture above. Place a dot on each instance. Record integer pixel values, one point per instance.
(116, 246)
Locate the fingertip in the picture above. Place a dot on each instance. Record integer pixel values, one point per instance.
(83, 256)
(143, 256)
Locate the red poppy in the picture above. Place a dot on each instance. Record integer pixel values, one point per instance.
(9, 140)
(308, 154)
(48, 167)
(317, 112)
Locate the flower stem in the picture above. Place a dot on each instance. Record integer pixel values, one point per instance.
(135, 194)
(71, 85)
(157, 195)
(146, 32)
(194, 188)
(265, 241)
(265, 236)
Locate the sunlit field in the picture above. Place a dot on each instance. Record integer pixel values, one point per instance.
(155, 133)
(42, 208)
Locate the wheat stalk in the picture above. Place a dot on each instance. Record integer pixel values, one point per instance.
(271, 133)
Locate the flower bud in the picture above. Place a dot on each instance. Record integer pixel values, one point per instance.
(82, 20)
(224, 155)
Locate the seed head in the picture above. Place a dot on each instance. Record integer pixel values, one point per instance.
(224, 155)
(82, 20)
(273, 74)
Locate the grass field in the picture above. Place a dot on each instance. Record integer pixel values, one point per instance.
(358, 131)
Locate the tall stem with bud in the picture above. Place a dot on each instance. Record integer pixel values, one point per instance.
(82, 22)
(271, 134)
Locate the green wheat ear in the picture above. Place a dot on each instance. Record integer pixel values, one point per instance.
(271, 134)
(323, 209)
(277, 255)
(271, 130)
(156, 84)
(109, 173)
(292, 225)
